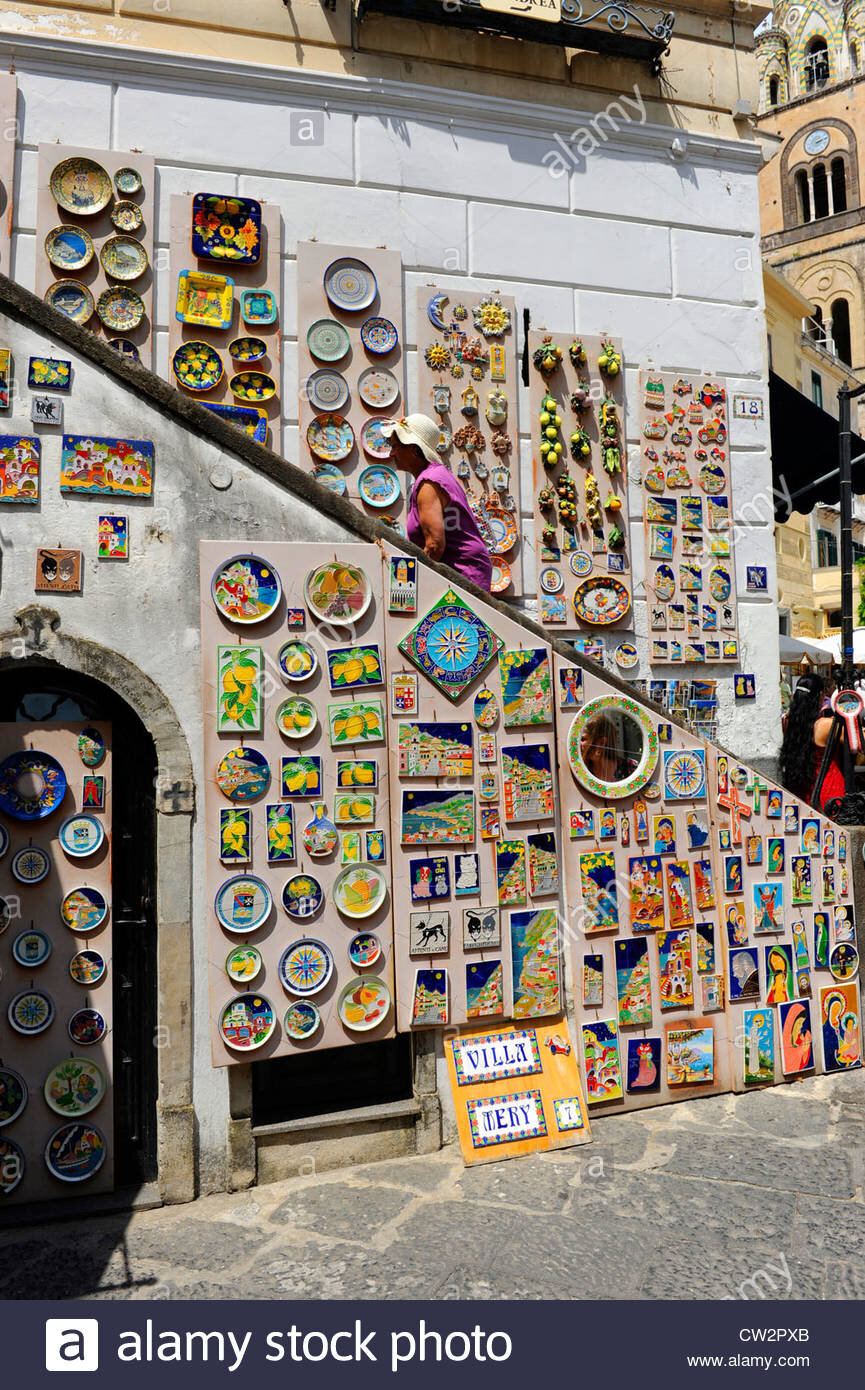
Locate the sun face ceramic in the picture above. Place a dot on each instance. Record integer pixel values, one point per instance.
(32, 785)
(252, 387)
(328, 340)
(327, 389)
(74, 1086)
(204, 300)
(123, 258)
(305, 966)
(69, 248)
(81, 186)
(330, 437)
(120, 308)
(226, 228)
(72, 299)
(75, 1152)
(243, 903)
(364, 1003)
(126, 216)
(350, 284)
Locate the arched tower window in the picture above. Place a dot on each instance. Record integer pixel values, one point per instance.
(773, 91)
(804, 196)
(816, 65)
(816, 331)
(838, 173)
(820, 185)
(841, 329)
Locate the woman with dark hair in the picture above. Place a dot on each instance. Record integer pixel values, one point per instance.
(806, 732)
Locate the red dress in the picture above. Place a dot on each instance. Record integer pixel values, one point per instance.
(833, 782)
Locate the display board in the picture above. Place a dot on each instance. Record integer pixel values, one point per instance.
(688, 519)
(121, 185)
(56, 968)
(296, 808)
(227, 320)
(351, 372)
(468, 382)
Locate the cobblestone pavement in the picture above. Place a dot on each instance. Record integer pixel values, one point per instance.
(750, 1196)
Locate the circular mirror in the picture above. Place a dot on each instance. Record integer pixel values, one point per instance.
(612, 747)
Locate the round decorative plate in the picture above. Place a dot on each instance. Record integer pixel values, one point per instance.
(12, 1165)
(69, 248)
(349, 284)
(87, 1027)
(330, 437)
(601, 600)
(243, 774)
(503, 527)
(246, 1022)
(359, 890)
(74, 1087)
(712, 478)
(364, 949)
(501, 578)
(81, 836)
(626, 655)
(719, 583)
(296, 717)
(319, 835)
(664, 582)
(128, 181)
(87, 967)
(372, 441)
(91, 747)
(198, 366)
(551, 580)
(83, 909)
(4, 842)
(31, 948)
(13, 1096)
(337, 592)
(297, 660)
(246, 589)
(685, 775)
(72, 299)
(243, 964)
(124, 258)
(31, 1011)
(243, 903)
(302, 896)
(486, 709)
(378, 387)
(32, 785)
(252, 386)
(305, 966)
(379, 335)
(330, 477)
(379, 486)
(364, 1003)
(75, 1152)
(844, 961)
(247, 349)
(5, 914)
(126, 216)
(326, 389)
(81, 186)
(328, 340)
(581, 563)
(636, 760)
(120, 308)
(30, 865)
(125, 348)
(302, 1020)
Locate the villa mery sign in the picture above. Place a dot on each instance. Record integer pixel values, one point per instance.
(550, 10)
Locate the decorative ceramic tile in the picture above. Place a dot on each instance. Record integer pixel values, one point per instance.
(239, 672)
(429, 933)
(526, 688)
(104, 466)
(451, 645)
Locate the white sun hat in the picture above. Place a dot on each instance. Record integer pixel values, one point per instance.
(419, 430)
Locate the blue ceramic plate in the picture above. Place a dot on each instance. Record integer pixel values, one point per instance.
(81, 836)
(379, 335)
(75, 1152)
(46, 789)
(31, 948)
(350, 284)
(302, 896)
(197, 366)
(30, 865)
(69, 248)
(330, 477)
(379, 486)
(72, 299)
(246, 417)
(86, 1027)
(247, 349)
(31, 1011)
(243, 903)
(326, 389)
(125, 348)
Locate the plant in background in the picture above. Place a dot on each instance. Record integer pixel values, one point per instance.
(860, 570)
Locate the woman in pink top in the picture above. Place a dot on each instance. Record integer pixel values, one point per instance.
(440, 519)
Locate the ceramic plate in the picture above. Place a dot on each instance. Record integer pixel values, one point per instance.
(243, 774)
(359, 890)
(31, 1011)
(364, 949)
(328, 340)
(296, 717)
(551, 580)
(501, 579)
(364, 1003)
(243, 903)
(252, 386)
(601, 600)
(32, 785)
(581, 563)
(305, 966)
(330, 437)
(13, 1095)
(4, 840)
(69, 248)
(503, 526)
(257, 307)
(71, 299)
(87, 967)
(243, 964)
(87, 1027)
(120, 308)
(125, 348)
(246, 589)
(30, 865)
(75, 1152)
(372, 441)
(712, 478)
(247, 349)
(379, 335)
(297, 660)
(74, 1087)
(626, 655)
(123, 258)
(349, 284)
(5, 914)
(302, 1020)
(247, 1022)
(302, 896)
(91, 747)
(379, 486)
(128, 180)
(204, 300)
(326, 389)
(31, 948)
(330, 477)
(13, 1165)
(127, 216)
(81, 836)
(226, 228)
(378, 387)
(81, 186)
(253, 422)
(337, 592)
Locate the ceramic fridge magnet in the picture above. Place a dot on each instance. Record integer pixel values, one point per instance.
(511, 872)
(685, 775)
(705, 933)
(526, 687)
(675, 977)
(451, 645)
(402, 584)
(840, 1025)
(429, 879)
(235, 835)
(301, 776)
(535, 961)
(403, 692)
(490, 822)
(350, 847)
(429, 933)
(58, 572)
(106, 466)
(51, 373)
(768, 901)
(435, 749)
(433, 816)
(800, 872)
(487, 747)
(430, 1001)
(351, 668)
(602, 1061)
(113, 538)
(570, 687)
(794, 1028)
(646, 893)
(354, 808)
(843, 961)
(46, 410)
(842, 924)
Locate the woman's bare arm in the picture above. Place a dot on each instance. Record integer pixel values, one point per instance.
(431, 516)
